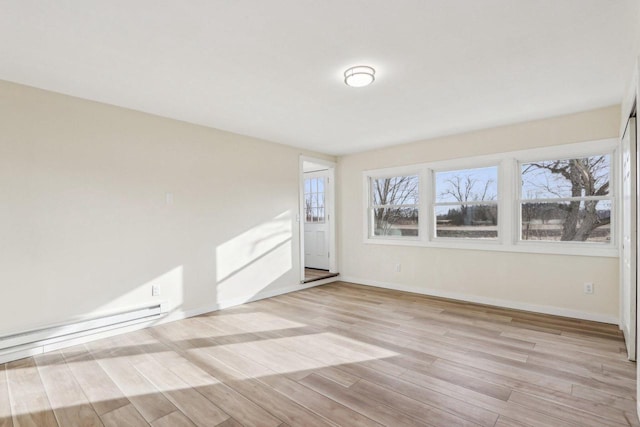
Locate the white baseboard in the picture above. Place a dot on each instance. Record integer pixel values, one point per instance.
(180, 314)
(545, 309)
(27, 350)
(43, 346)
(625, 330)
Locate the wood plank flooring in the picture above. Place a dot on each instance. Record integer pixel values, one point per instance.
(339, 354)
(313, 274)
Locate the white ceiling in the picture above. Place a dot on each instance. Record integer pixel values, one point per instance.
(273, 69)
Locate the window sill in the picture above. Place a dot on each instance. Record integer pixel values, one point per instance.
(497, 246)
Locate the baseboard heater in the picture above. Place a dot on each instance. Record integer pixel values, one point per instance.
(37, 341)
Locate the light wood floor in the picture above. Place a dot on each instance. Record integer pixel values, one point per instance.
(313, 274)
(338, 354)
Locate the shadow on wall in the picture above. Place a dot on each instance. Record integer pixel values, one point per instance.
(247, 264)
(243, 266)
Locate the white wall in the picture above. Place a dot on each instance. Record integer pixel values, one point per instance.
(553, 283)
(631, 74)
(85, 227)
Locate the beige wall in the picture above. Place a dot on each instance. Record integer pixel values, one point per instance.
(632, 86)
(553, 282)
(85, 227)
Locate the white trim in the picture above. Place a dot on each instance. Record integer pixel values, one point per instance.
(74, 320)
(629, 205)
(544, 309)
(369, 206)
(74, 338)
(20, 354)
(566, 199)
(508, 219)
(366, 196)
(300, 217)
(433, 204)
(508, 202)
(631, 97)
(61, 331)
(32, 349)
(426, 193)
(619, 233)
(614, 192)
(549, 248)
(468, 203)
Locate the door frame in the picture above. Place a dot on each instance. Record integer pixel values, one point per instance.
(631, 98)
(629, 327)
(330, 201)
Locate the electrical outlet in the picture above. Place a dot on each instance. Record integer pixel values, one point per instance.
(588, 288)
(155, 290)
(398, 268)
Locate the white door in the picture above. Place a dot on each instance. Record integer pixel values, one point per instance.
(629, 239)
(316, 220)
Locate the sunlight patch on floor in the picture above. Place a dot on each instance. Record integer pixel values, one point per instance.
(305, 352)
(252, 322)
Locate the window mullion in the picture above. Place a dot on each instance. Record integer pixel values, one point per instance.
(566, 199)
(507, 208)
(468, 202)
(424, 211)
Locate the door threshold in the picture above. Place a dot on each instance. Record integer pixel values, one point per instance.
(313, 274)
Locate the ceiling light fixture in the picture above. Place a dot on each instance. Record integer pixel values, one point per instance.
(359, 76)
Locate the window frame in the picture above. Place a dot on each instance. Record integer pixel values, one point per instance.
(369, 206)
(612, 152)
(434, 204)
(316, 177)
(509, 201)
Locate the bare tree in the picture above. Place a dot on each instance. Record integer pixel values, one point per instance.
(308, 210)
(467, 188)
(390, 194)
(462, 188)
(584, 177)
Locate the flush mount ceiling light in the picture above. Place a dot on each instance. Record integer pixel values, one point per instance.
(359, 76)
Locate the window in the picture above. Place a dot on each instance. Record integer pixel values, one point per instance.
(563, 204)
(466, 203)
(393, 206)
(566, 200)
(314, 209)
